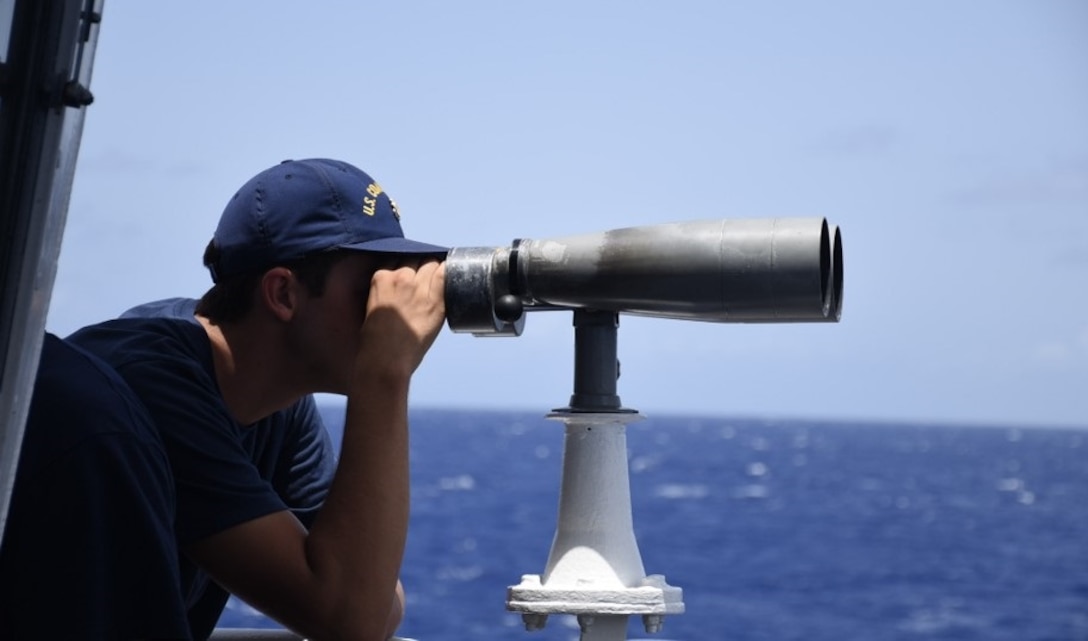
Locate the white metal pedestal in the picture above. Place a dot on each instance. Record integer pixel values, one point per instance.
(595, 570)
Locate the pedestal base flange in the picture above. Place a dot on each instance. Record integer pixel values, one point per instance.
(651, 596)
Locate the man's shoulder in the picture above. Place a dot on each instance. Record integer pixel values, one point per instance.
(183, 309)
(161, 331)
(81, 381)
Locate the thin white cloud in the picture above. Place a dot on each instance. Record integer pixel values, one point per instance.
(1065, 181)
(1061, 352)
(1051, 353)
(864, 140)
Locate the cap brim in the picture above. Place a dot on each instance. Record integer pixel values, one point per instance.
(397, 246)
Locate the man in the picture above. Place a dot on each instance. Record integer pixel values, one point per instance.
(316, 290)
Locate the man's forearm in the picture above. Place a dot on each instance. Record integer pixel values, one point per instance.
(356, 545)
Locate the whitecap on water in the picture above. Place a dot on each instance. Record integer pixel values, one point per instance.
(463, 573)
(681, 491)
(870, 485)
(757, 469)
(241, 607)
(643, 463)
(455, 483)
(753, 491)
(942, 618)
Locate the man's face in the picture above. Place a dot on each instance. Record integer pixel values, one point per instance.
(325, 333)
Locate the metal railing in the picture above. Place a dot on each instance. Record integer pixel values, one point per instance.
(263, 634)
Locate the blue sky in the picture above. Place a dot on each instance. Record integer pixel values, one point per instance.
(949, 140)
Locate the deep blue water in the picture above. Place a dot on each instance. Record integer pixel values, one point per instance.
(775, 530)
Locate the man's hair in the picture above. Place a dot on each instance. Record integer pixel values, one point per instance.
(231, 299)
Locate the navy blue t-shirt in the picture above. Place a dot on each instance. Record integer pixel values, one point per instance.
(224, 473)
(89, 551)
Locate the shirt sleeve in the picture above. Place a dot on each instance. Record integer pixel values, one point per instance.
(216, 482)
(307, 461)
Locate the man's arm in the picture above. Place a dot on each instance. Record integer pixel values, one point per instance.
(339, 580)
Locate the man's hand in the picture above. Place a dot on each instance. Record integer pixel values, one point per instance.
(405, 312)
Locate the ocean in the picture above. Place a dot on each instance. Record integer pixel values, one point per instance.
(775, 530)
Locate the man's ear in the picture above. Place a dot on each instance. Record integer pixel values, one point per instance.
(279, 292)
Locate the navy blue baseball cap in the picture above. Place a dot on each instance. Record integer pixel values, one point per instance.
(301, 207)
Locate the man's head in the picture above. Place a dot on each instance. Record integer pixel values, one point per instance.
(302, 214)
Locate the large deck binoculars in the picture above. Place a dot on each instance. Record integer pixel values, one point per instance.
(773, 270)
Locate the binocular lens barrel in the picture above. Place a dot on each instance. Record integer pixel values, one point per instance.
(722, 271)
